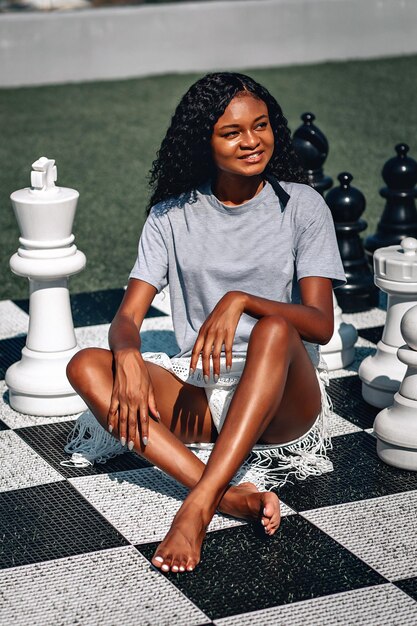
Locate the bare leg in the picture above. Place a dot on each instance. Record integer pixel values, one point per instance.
(266, 406)
(185, 418)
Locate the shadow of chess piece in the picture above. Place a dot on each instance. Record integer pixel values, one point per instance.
(396, 427)
(312, 149)
(399, 218)
(347, 205)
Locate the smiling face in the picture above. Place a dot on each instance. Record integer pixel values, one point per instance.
(243, 141)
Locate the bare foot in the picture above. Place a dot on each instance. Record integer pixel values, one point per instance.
(246, 502)
(180, 550)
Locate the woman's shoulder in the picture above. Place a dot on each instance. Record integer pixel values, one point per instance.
(302, 194)
(173, 204)
(306, 205)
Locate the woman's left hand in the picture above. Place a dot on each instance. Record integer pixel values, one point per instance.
(217, 331)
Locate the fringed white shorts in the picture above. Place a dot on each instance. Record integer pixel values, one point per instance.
(268, 466)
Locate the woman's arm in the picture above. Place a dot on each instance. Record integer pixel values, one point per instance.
(313, 319)
(132, 388)
(124, 329)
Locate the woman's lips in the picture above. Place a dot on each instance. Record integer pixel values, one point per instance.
(255, 157)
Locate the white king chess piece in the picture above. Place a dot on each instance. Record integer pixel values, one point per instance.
(45, 213)
(396, 274)
(340, 351)
(396, 426)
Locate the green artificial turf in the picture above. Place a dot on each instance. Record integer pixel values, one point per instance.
(104, 136)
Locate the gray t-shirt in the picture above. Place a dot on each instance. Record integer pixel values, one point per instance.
(203, 249)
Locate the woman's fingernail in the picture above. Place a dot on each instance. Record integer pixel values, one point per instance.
(216, 378)
(110, 428)
(191, 373)
(130, 445)
(123, 441)
(262, 522)
(145, 441)
(206, 379)
(158, 415)
(228, 368)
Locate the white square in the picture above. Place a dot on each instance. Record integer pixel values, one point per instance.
(380, 531)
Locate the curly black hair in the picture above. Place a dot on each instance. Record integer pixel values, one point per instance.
(184, 160)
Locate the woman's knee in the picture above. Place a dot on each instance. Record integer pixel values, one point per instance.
(274, 328)
(84, 365)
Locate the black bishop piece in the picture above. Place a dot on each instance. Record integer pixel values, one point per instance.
(399, 219)
(347, 205)
(312, 149)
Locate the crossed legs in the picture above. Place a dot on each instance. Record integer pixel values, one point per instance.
(266, 407)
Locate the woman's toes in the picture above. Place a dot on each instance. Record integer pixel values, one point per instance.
(166, 565)
(175, 565)
(158, 560)
(191, 565)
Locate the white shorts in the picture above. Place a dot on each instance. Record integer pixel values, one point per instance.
(273, 464)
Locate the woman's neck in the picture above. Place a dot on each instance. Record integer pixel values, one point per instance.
(235, 190)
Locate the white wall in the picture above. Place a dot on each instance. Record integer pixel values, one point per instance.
(131, 41)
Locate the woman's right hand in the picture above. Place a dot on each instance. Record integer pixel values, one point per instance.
(132, 397)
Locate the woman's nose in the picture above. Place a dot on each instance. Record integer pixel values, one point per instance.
(249, 140)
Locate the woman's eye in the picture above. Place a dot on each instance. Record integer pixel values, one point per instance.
(262, 125)
(232, 133)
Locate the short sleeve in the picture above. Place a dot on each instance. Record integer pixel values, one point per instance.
(152, 261)
(316, 249)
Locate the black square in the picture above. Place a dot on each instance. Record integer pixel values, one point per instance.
(3, 426)
(243, 570)
(358, 474)
(346, 395)
(10, 352)
(373, 334)
(49, 440)
(409, 585)
(49, 522)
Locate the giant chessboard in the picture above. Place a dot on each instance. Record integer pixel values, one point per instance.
(76, 543)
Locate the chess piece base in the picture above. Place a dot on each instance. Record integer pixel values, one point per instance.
(38, 384)
(339, 360)
(378, 388)
(396, 432)
(403, 458)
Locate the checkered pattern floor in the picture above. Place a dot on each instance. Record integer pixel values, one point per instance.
(76, 543)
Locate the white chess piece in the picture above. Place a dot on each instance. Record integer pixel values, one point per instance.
(340, 351)
(396, 426)
(45, 213)
(395, 274)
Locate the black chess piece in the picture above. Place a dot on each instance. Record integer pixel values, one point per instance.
(399, 218)
(312, 149)
(347, 205)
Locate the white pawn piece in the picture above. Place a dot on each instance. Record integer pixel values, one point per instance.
(340, 351)
(396, 426)
(45, 213)
(395, 270)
